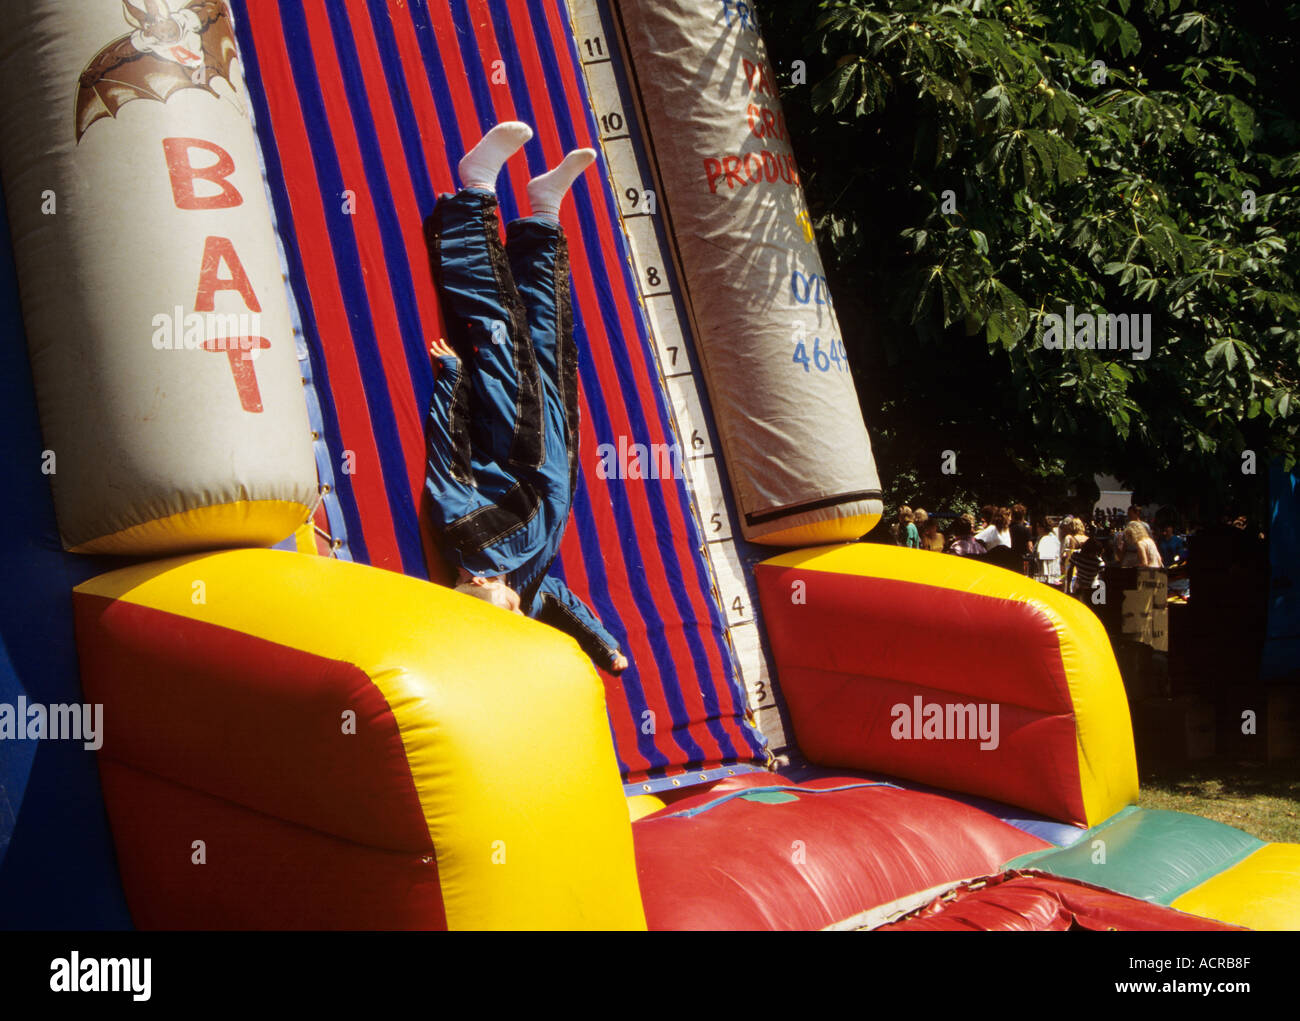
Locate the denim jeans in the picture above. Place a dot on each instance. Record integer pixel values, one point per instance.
(503, 422)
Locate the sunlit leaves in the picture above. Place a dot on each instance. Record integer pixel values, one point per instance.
(996, 177)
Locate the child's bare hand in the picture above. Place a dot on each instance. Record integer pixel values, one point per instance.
(441, 349)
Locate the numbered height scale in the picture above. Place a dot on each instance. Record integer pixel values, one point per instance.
(651, 267)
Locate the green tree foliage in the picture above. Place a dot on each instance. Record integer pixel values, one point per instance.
(973, 168)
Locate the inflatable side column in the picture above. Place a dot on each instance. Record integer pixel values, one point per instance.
(159, 331)
(783, 399)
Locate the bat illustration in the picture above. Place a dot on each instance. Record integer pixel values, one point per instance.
(174, 46)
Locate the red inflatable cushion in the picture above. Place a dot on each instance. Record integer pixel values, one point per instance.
(1032, 902)
(762, 852)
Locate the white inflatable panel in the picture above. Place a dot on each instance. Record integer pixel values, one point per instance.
(783, 398)
(158, 326)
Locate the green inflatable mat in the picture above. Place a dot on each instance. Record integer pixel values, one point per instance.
(1152, 854)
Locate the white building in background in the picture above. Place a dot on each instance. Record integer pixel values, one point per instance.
(1112, 496)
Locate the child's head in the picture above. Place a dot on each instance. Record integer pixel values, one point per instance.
(905, 515)
(492, 590)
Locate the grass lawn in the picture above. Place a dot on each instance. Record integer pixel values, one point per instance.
(1262, 799)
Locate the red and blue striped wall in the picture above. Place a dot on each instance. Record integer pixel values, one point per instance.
(380, 99)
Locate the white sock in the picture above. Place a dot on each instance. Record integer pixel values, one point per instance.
(481, 165)
(546, 191)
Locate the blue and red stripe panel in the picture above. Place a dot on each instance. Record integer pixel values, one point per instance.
(364, 107)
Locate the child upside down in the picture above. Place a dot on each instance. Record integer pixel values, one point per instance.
(503, 422)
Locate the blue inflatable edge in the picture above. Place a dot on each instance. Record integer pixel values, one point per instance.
(57, 865)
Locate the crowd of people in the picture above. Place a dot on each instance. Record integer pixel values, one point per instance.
(1065, 551)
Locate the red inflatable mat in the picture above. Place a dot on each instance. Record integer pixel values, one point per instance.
(762, 852)
(1033, 902)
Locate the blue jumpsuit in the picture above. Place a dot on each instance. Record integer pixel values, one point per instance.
(503, 433)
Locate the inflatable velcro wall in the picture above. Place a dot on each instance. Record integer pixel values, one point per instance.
(948, 672)
(161, 342)
(774, 362)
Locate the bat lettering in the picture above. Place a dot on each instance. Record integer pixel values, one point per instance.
(241, 351)
(183, 174)
(217, 250)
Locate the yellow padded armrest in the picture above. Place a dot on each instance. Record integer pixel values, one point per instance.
(502, 721)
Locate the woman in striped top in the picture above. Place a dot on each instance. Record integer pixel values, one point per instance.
(1086, 565)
